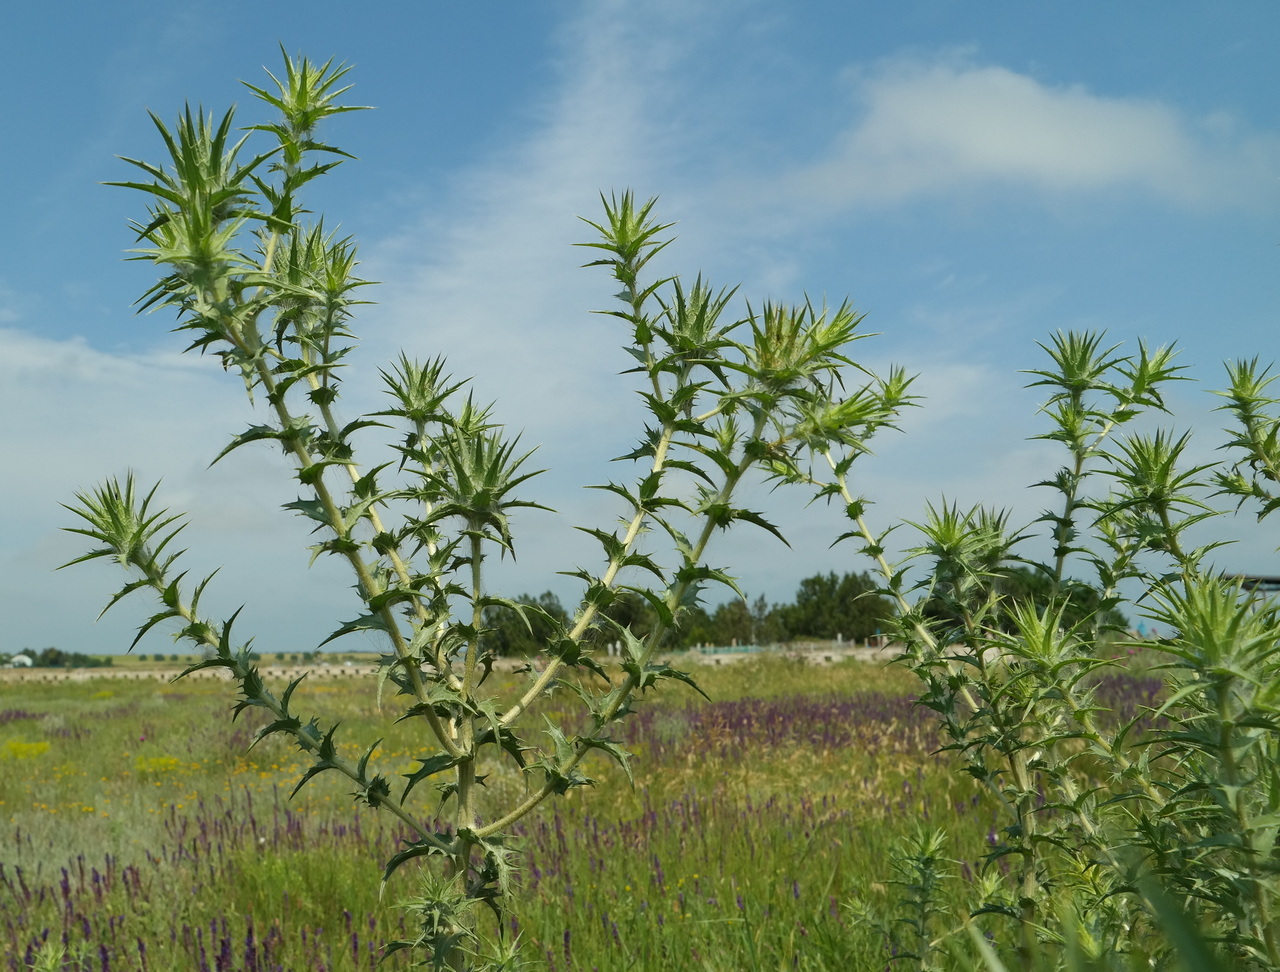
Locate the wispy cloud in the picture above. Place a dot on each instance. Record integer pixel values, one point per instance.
(490, 277)
(927, 128)
(76, 415)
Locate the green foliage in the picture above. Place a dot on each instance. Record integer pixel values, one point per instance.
(916, 932)
(1142, 840)
(1018, 584)
(1122, 834)
(734, 810)
(526, 628)
(253, 281)
(828, 606)
(731, 623)
(57, 658)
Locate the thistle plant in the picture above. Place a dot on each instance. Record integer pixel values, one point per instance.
(923, 876)
(274, 294)
(1119, 834)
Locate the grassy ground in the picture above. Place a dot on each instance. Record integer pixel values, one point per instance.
(141, 835)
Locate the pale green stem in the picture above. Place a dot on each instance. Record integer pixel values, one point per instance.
(634, 529)
(886, 571)
(477, 614)
(628, 685)
(1237, 781)
(250, 341)
(1081, 456)
(918, 629)
(367, 585)
(308, 738)
(466, 771)
(397, 562)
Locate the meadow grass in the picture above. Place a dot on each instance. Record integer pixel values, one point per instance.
(141, 834)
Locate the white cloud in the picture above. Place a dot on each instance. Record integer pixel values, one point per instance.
(79, 405)
(491, 279)
(931, 128)
(75, 416)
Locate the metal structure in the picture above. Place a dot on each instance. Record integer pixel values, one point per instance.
(1257, 583)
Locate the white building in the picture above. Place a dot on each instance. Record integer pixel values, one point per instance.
(20, 661)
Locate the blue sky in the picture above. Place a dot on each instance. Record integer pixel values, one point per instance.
(972, 176)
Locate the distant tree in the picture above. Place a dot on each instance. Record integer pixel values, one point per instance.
(1019, 583)
(695, 627)
(508, 634)
(631, 611)
(51, 658)
(57, 658)
(766, 625)
(828, 605)
(731, 622)
(1080, 601)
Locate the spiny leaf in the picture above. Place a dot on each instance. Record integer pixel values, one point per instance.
(365, 622)
(430, 766)
(436, 844)
(255, 433)
(614, 750)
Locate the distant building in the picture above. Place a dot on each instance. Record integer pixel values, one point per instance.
(1257, 583)
(20, 661)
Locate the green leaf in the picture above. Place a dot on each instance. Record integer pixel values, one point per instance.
(666, 671)
(441, 844)
(313, 509)
(326, 759)
(287, 724)
(656, 601)
(430, 766)
(759, 520)
(693, 575)
(366, 622)
(255, 433)
(151, 623)
(614, 549)
(620, 755)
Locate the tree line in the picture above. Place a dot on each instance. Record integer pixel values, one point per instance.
(826, 607)
(57, 658)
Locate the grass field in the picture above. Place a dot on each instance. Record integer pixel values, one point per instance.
(141, 834)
